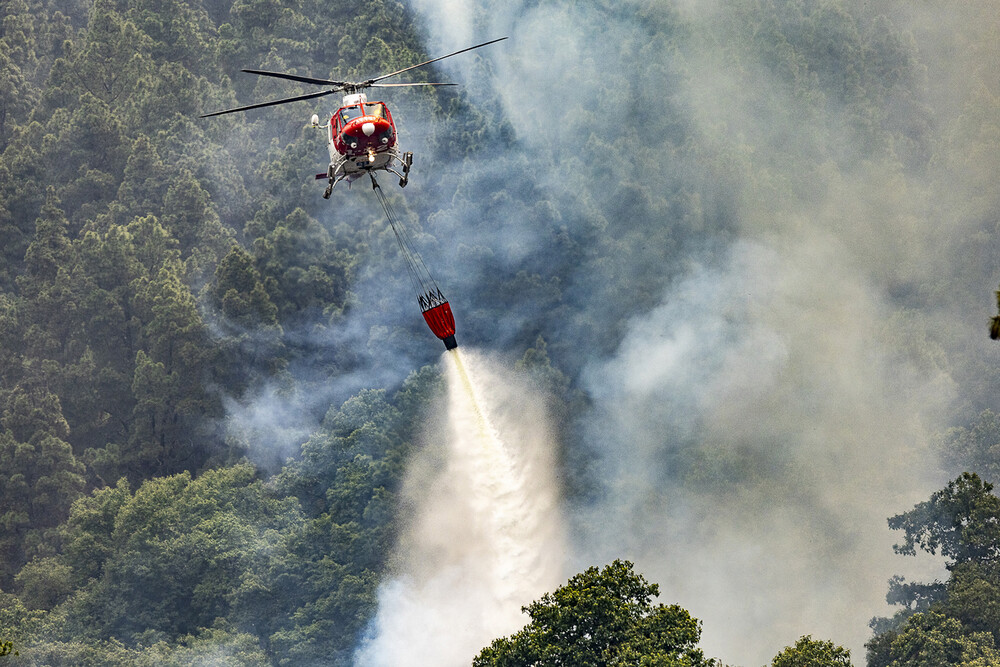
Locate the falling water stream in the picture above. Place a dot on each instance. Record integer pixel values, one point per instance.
(500, 497)
(486, 537)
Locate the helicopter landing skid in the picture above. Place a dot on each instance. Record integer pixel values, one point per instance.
(406, 160)
(332, 175)
(402, 177)
(338, 171)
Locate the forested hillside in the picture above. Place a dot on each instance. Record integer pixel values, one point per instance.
(746, 251)
(155, 266)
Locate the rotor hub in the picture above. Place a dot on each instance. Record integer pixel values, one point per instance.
(354, 98)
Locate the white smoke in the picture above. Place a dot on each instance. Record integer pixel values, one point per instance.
(485, 537)
(756, 426)
(754, 446)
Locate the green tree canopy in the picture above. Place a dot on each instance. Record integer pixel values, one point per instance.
(164, 561)
(962, 522)
(601, 617)
(958, 621)
(809, 652)
(115, 55)
(40, 479)
(933, 640)
(972, 596)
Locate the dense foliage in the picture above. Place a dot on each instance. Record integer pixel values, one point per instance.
(809, 652)
(955, 623)
(153, 268)
(601, 617)
(606, 617)
(142, 284)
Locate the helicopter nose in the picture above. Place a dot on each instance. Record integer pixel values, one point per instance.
(368, 129)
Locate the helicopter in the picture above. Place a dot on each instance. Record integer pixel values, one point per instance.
(361, 135)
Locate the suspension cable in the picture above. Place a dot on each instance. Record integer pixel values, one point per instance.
(423, 284)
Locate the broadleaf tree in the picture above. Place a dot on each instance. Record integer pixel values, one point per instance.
(600, 618)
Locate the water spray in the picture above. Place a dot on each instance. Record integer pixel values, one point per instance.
(486, 536)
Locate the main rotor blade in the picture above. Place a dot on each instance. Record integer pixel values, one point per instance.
(271, 103)
(400, 85)
(295, 77)
(407, 69)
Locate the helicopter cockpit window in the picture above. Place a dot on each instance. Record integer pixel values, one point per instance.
(376, 109)
(350, 113)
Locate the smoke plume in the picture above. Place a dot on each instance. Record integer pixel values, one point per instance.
(788, 284)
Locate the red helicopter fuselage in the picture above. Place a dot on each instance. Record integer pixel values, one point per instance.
(362, 139)
(362, 130)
